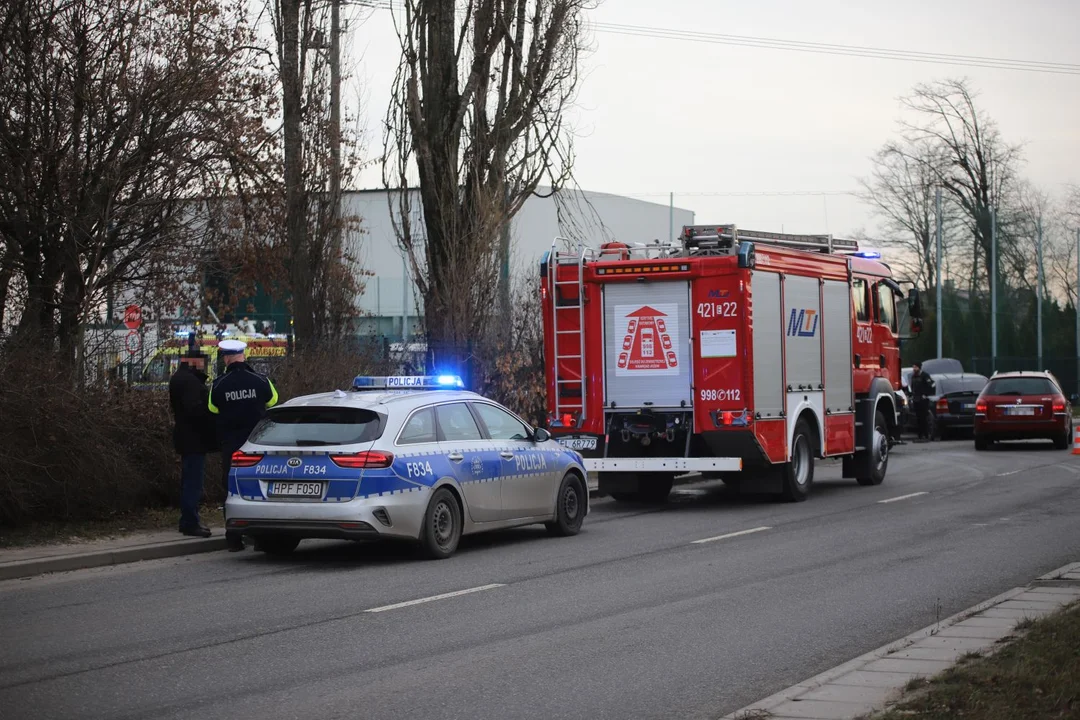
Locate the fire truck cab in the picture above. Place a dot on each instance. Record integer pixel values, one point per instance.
(738, 354)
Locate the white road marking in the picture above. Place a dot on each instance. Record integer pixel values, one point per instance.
(902, 497)
(730, 535)
(433, 598)
(1014, 472)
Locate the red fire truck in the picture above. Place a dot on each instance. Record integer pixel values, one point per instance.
(737, 354)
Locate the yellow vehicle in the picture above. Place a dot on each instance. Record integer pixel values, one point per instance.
(263, 353)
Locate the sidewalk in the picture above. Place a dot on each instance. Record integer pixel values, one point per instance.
(875, 680)
(37, 560)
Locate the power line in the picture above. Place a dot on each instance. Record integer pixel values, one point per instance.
(980, 61)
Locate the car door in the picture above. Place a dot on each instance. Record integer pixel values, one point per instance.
(528, 484)
(475, 468)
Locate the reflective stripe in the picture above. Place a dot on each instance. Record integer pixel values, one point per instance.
(273, 396)
(210, 402)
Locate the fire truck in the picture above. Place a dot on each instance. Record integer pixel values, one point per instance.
(736, 354)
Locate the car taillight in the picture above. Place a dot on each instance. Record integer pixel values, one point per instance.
(942, 405)
(366, 459)
(980, 407)
(243, 459)
(1059, 404)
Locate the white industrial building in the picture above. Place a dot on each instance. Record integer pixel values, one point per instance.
(390, 299)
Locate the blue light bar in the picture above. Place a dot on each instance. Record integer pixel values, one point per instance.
(408, 382)
(868, 254)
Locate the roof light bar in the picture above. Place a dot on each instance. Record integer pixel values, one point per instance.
(408, 382)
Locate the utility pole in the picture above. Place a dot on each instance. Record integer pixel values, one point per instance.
(1039, 290)
(940, 309)
(1076, 310)
(993, 289)
(335, 128)
(671, 218)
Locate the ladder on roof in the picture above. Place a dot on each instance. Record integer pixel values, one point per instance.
(564, 307)
(729, 237)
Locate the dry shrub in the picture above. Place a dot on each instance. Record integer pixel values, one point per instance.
(510, 366)
(99, 452)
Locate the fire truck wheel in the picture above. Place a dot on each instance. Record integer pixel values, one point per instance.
(570, 508)
(798, 473)
(879, 449)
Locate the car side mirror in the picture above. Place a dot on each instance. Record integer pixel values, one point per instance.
(541, 435)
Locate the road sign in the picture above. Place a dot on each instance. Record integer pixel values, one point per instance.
(133, 341)
(132, 316)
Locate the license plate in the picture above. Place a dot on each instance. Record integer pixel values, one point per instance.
(588, 443)
(1020, 411)
(296, 489)
(969, 406)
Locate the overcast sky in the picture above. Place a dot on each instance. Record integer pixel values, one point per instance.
(659, 115)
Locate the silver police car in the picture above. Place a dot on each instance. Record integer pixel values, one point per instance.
(406, 457)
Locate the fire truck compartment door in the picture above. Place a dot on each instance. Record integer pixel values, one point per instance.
(647, 345)
(802, 319)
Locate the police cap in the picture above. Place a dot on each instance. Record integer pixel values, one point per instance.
(231, 347)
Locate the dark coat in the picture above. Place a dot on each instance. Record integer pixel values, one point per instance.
(193, 430)
(239, 399)
(922, 385)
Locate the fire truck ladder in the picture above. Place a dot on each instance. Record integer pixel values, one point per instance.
(705, 237)
(560, 308)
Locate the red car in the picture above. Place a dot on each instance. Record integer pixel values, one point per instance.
(1023, 406)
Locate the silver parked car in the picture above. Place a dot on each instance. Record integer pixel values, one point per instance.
(414, 458)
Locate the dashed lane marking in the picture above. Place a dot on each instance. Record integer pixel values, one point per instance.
(730, 535)
(433, 598)
(901, 497)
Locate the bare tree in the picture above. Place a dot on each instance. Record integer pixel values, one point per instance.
(112, 117)
(478, 115)
(979, 167)
(902, 190)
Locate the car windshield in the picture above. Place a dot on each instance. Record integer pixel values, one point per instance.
(1020, 386)
(314, 426)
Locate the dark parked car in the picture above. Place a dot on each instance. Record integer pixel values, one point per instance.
(953, 407)
(1023, 406)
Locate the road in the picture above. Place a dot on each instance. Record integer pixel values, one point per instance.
(630, 619)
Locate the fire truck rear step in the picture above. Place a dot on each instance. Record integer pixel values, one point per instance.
(666, 465)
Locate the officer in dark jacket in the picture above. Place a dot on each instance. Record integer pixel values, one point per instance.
(239, 398)
(922, 388)
(193, 437)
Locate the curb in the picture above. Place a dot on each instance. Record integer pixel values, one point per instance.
(766, 706)
(118, 556)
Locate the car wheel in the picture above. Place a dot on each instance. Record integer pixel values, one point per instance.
(982, 443)
(442, 526)
(798, 473)
(1062, 443)
(879, 453)
(569, 507)
(277, 545)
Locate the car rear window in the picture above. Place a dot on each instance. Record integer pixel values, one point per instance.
(314, 426)
(1020, 386)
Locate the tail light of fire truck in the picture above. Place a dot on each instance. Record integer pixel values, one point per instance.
(565, 420)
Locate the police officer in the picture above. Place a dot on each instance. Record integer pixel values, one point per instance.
(239, 398)
(922, 387)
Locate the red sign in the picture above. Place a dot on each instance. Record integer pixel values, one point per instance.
(133, 342)
(132, 316)
(647, 347)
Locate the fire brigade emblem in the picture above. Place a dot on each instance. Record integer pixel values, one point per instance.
(648, 339)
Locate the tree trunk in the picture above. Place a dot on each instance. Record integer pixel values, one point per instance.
(295, 196)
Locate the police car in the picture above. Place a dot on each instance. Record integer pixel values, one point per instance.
(415, 458)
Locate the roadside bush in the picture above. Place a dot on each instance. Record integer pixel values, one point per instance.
(95, 452)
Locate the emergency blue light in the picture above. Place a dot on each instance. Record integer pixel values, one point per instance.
(868, 254)
(408, 382)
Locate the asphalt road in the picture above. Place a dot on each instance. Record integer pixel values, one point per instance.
(630, 619)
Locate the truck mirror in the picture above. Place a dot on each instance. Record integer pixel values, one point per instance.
(915, 303)
(916, 325)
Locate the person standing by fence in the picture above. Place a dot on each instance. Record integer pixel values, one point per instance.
(193, 437)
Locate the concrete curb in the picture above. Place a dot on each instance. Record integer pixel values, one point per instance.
(768, 707)
(111, 556)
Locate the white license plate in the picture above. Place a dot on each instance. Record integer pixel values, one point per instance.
(588, 443)
(296, 489)
(969, 406)
(1020, 411)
